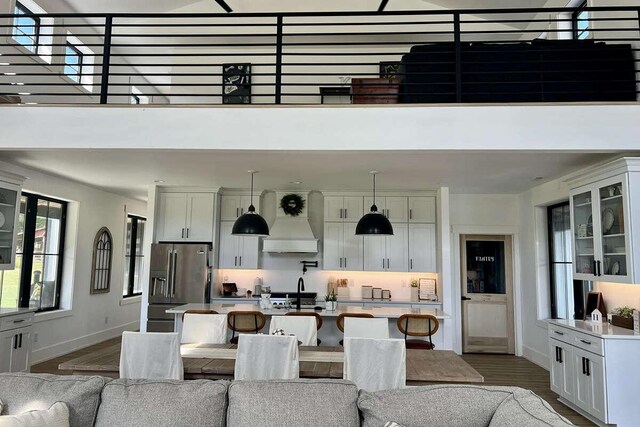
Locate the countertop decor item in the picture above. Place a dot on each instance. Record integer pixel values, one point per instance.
(251, 223)
(623, 317)
(292, 204)
(608, 219)
(2, 219)
(415, 290)
(331, 301)
(374, 223)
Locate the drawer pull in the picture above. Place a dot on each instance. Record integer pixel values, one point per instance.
(18, 321)
(585, 342)
(558, 332)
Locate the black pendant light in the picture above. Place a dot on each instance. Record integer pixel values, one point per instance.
(374, 223)
(251, 223)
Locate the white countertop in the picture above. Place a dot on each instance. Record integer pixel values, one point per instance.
(350, 300)
(14, 311)
(388, 312)
(600, 330)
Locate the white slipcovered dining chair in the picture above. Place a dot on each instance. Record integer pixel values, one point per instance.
(204, 328)
(375, 364)
(304, 328)
(267, 357)
(151, 355)
(362, 327)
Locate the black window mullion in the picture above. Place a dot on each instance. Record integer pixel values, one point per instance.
(132, 255)
(27, 250)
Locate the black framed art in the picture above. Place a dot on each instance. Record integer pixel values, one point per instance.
(236, 83)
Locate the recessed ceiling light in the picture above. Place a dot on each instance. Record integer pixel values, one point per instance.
(295, 182)
(159, 181)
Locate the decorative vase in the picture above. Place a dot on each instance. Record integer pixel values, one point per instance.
(331, 305)
(414, 294)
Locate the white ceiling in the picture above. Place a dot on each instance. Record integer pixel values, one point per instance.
(128, 172)
(239, 6)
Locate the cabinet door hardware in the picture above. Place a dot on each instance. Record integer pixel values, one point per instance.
(558, 333)
(595, 268)
(18, 321)
(410, 213)
(15, 342)
(345, 213)
(235, 260)
(383, 263)
(240, 260)
(237, 212)
(411, 264)
(599, 268)
(585, 342)
(340, 262)
(560, 355)
(345, 262)
(340, 213)
(187, 233)
(20, 343)
(183, 233)
(587, 363)
(241, 211)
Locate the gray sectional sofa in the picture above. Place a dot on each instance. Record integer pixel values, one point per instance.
(100, 402)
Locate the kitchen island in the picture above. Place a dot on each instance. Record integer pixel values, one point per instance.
(329, 332)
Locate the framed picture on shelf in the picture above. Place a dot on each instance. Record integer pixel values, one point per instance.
(390, 69)
(428, 290)
(236, 83)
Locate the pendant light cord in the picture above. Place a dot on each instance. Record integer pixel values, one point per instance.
(251, 196)
(374, 188)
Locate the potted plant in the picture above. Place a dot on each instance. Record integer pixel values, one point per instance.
(623, 317)
(415, 292)
(331, 301)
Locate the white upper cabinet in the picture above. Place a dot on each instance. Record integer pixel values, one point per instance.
(232, 206)
(604, 209)
(422, 247)
(422, 210)
(343, 208)
(237, 252)
(343, 250)
(388, 253)
(186, 217)
(10, 189)
(396, 208)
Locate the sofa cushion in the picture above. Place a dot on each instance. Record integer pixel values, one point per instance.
(306, 403)
(27, 392)
(56, 416)
(158, 403)
(436, 405)
(526, 409)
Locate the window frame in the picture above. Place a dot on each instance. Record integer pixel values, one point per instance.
(80, 55)
(132, 256)
(28, 244)
(135, 98)
(27, 12)
(574, 21)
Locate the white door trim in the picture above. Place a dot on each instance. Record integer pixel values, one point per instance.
(456, 294)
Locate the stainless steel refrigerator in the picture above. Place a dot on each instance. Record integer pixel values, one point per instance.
(180, 274)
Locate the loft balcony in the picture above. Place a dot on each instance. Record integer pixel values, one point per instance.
(500, 56)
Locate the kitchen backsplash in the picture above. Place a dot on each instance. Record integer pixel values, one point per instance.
(317, 280)
(619, 295)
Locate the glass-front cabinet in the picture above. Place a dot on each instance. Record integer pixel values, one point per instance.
(10, 189)
(601, 223)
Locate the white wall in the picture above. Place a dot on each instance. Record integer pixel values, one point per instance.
(84, 319)
(481, 214)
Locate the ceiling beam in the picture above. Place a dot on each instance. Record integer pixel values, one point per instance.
(383, 4)
(223, 4)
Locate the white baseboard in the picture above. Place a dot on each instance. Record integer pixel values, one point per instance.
(536, 357)
(59, 349)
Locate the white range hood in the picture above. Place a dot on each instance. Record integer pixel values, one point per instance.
(291, 234)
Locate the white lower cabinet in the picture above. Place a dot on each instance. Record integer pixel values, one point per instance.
(15, 343)
(595, 371)
(237, 252)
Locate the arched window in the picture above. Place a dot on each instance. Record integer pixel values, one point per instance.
(101, 268)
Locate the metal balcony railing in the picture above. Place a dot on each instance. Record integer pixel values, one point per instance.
(444, 56)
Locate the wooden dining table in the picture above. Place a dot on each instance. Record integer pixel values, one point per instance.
(217, 361)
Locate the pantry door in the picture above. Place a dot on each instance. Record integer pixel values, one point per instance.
(487, 294)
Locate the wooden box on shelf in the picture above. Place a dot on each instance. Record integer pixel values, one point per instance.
(623, 322)
(375, 91)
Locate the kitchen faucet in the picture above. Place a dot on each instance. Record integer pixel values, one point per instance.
(305, 264)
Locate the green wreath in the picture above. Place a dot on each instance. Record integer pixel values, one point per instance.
(292, 204)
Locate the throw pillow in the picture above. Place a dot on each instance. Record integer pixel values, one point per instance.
(1, 407)
(56, 416)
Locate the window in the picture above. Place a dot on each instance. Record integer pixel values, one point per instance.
(580, 22)
(36, 280)
(134, 256)
(135, 99)
(26, 28)
(101, 266)
(567, 295)
(73, 63)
